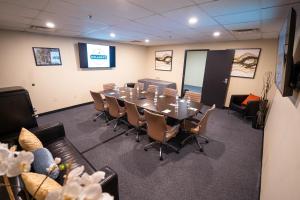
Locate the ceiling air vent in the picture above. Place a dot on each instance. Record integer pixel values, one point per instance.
(135, 41)
(247, 30)
(41, 28)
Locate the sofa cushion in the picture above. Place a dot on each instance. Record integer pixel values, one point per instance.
(251, 97)
(28, 141)
(63, 149)
(43, 159)
(32, 182)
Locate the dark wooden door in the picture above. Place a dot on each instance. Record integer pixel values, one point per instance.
(216, 77)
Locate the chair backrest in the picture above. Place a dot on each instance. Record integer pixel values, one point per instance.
(194, 96)
(201, 127)
(113, 106)
(133, 114)
(109, 86)
(156, 125)
(170, 92)
(98, 101)
(140, 85)
(152, 88)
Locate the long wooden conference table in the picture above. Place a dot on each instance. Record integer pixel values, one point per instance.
(165, 105)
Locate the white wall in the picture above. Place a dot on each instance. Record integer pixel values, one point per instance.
(66, 85)
(267, 62)
(195, 68)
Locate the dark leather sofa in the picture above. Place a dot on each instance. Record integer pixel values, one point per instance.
(52, 137)
(249, 111)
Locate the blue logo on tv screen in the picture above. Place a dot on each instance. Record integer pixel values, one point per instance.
(98, 57)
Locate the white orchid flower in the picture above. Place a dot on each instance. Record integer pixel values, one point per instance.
(3, 146)
(19, 163)
(57, 161)
(87, 179)
(4, 155)
(70, 191)
(74, 174)
(91, 192)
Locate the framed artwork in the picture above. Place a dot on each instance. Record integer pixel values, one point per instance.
(46, 56)
(163, 60)
(245, 63)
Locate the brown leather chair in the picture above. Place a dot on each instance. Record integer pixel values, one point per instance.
(140, 85)
(115, 110)
(100, 105)
(152, 88)
(159, 131)
(170, 92)
(134, 118)
(194, 96)
(109, 86)
(197, 128)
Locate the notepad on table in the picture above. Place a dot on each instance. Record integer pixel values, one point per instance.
(161, 96)
(146, 104)
(182, 100)
(123, 97)
(166, 111)
(172, 104)
(111, 93)
(143, 92)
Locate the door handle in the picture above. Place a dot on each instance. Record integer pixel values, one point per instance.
(225, 81)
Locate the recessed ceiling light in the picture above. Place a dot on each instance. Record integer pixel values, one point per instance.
(113, 35)
(147, 40)
(50, 25)
(193, 20)
(216, 34)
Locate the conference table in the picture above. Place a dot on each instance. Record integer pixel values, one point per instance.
(164, 105)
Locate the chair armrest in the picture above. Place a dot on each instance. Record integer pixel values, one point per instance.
(252, 108)
(49, 133)
(175, 128)
(237, 99)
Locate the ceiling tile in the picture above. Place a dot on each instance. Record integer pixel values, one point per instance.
(275, 12)
(272, 25)
(162, 5)
(119, 8)
(248, 36)
(239, 18)
(34, 4)
(161, 23)
(271, 3)
(183, 15)
(225, 7)
(271, 35)
(13, 10)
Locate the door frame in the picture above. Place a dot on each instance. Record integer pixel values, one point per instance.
(184, 66)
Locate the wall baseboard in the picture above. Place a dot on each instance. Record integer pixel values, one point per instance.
(66, 108)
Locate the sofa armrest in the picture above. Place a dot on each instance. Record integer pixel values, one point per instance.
(252, 108)
(49, 133)
(110, 183)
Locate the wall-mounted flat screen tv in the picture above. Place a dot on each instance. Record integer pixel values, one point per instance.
(285, 55)
(96, 56)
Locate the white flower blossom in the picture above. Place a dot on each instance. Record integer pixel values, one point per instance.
(20, 162)
(4, 155)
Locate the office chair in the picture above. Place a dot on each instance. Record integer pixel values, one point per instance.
(115, 110)
(134, 118)
(170, 92)
(100, 105)
(194, 96)
(152, 88)
(160, 132)
(196, 128)
(109, 86)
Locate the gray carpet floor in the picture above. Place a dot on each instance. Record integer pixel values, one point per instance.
(228, 169)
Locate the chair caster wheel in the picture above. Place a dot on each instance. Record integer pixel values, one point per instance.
(201, 150)
(145, 149)
(177, 152)
(161, 159)
(206, 141)
(94, 120)
(126, 134)
(137, 140)
(115, 130)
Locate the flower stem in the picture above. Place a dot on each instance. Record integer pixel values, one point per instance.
(8, 188)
